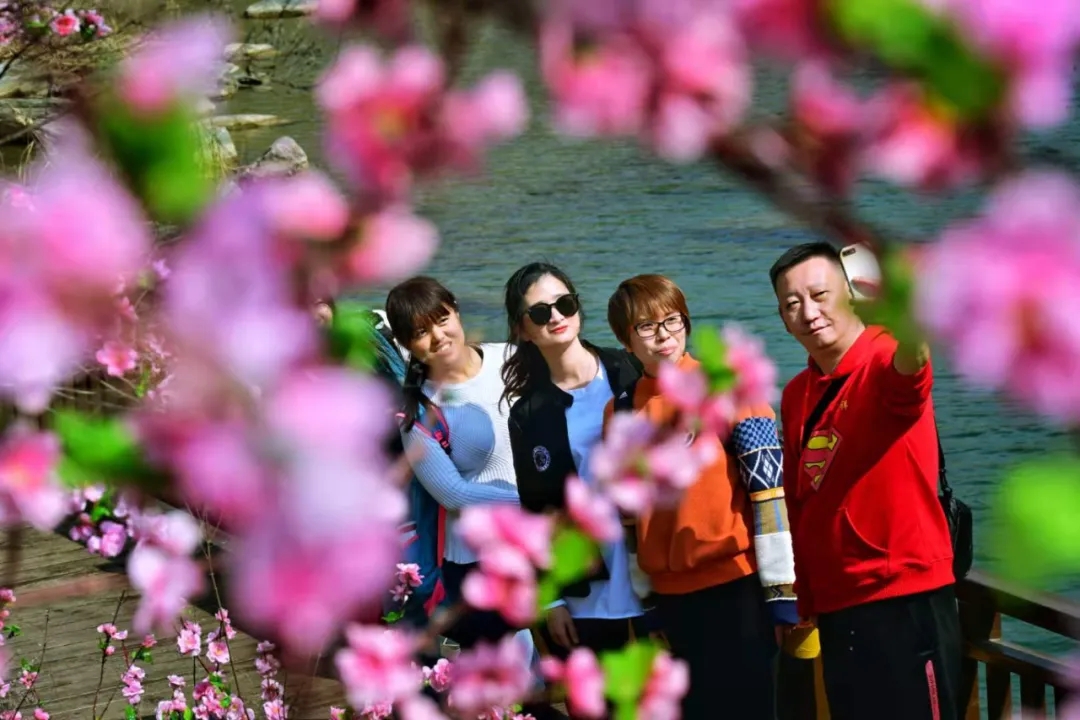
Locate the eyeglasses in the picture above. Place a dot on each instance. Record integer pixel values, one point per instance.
(673, 324)
(567, 305)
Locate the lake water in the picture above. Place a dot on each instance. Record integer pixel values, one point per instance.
(605, 211)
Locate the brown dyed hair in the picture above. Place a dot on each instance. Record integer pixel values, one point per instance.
(642, 298)
(414, 305)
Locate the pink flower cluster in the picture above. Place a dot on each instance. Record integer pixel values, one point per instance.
(998, 292)
(21, 21)
(388, 122)
(676, 73)
(641, 465)
(490, 676)
(376, 667)
(408, 579)
(7, 598)
(510, 544)
(63, 295)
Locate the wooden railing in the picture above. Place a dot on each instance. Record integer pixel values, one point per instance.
(984, 600)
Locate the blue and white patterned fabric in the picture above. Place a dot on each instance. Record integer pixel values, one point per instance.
(756, 445)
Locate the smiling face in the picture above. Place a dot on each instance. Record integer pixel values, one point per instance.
(815, 305)
(560, 329)
(440, 344)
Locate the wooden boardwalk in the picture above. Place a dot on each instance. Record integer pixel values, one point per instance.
(60, 634)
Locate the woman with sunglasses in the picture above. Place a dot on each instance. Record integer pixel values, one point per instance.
(559, 385)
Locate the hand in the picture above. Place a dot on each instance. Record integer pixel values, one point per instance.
(561, 626)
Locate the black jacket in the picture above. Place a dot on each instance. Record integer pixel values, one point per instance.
(541, 444)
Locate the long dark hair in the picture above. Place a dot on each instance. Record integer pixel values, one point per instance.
(412, 306)
(526, 367)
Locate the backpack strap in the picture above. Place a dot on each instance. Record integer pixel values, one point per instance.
(438, 428)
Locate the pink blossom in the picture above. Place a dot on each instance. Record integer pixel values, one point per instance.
(118, 358)
(112, 540)
(176, 532)
(166, 584)
(601, 89)
(492, 527)
(667, 683)
(439, 676)
(306, 206)
(392, 245)
(409, 574)
(831, 120)
(337, 713)
(490, 675)
(391, 121)
(584, 680)
(65, 23)
(70, 248)
(639, 466)
(217, 650)
(975, 294)
(789, 29)
(755, 372)
(388, 17)
(377, 665)
(1036, 45)
(133, 689)
(41, 714)
(178, 62)
(594, 513)
(506, 583)
(189, 641)
(911, 144)
(30, 490)
(375, 113)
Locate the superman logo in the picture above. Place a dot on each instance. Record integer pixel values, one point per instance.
(818, 455)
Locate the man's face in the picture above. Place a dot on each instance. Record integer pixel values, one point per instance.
(815, 303)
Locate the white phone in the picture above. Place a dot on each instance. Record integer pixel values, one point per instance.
(859, 261)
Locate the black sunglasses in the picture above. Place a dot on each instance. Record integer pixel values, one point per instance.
(567, 305)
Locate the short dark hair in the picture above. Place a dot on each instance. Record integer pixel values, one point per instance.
(800, 254)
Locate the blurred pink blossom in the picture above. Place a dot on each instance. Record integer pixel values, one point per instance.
(178, 62)
(492, 527)
(640, 467)
(376, 666)
(391, 121)
(998, 291)
(392, 245)
(165, 582)
(439, 675)
(594, 513)
(30, 489)
(506, 583)
(755, 372)
(306, 206)
(390, 18)
(490, 675)
(664, 690)
(584, 681)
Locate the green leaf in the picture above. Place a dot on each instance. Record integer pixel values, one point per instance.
(1038, 538)
(574, 554)
(129, 713)
(351, 337)
(188, 714)
(13, 631)
(626, 671)
(913, 39)
(711, 351)
(159, 155)
(393, 617)
(100, 449)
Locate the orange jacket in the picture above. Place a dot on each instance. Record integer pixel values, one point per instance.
(707, 539)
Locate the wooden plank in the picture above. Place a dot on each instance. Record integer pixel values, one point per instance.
(1055, 613)
(69, 592)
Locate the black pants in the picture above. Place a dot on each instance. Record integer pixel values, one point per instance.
(476, 625)
(895, 659)
(725, 634)
(597, 635)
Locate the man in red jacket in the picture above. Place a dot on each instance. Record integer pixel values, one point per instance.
(873, 557)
